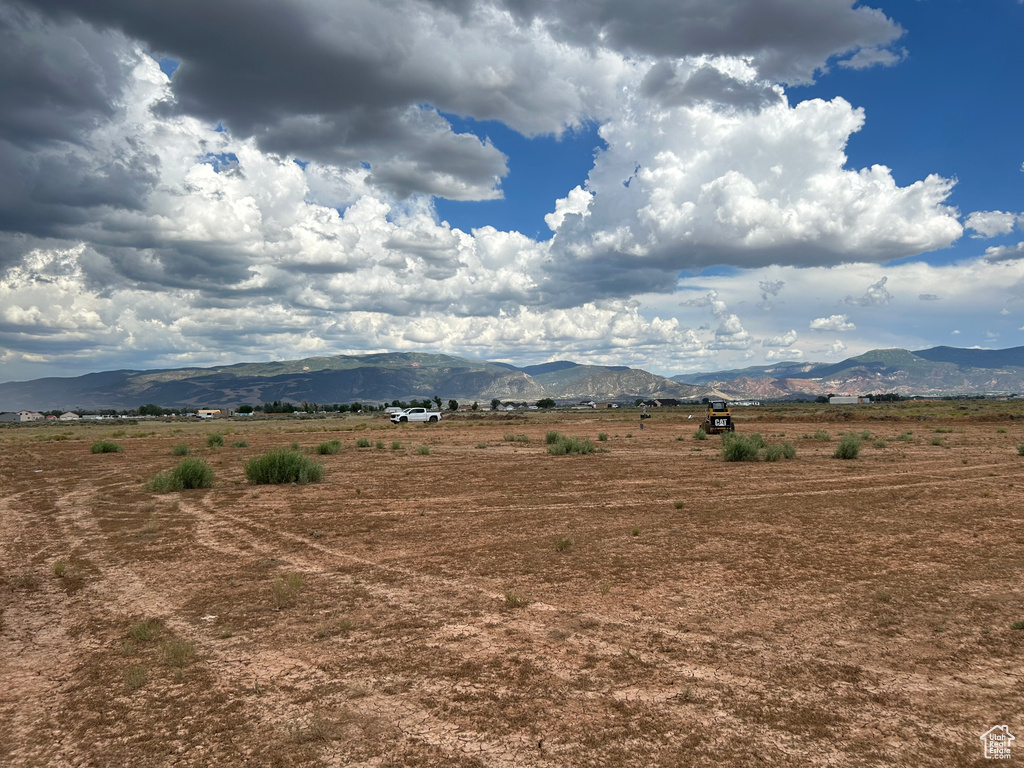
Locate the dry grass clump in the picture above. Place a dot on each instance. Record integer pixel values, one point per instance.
(848, 448)
(283, 466)
(328, 448)
(190, 473)
(562, 445)
(106, 446)
(285, 589)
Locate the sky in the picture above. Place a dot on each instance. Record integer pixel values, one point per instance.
(673, 185)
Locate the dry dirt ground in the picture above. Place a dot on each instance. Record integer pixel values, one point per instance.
(490, 604)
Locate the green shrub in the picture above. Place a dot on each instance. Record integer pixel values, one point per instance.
(848, 448)
(1001, 431)
(216, 440)
(329, 447)
(602, 436)
(740, 447)
(879, 443)
(551, 437)
(240, 444)
(396, 445)
(700, 434)
(105, 446)
(566, 445)
(423, 450)
(181, 450)
(283, 466)
(1017, 625)
(822, 435)
(937, 440)
(512, 438)
(777, 451)
(190, 473)
(563, 543)
(362, 442)
(1020, 449)
(379, 445)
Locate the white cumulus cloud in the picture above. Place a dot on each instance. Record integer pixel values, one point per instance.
(991, 223)
(832, 323)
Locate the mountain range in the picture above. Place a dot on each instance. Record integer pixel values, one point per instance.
(377, 378)
(340, 379)
(934, 372)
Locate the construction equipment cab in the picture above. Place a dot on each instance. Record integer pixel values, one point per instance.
(718, 419)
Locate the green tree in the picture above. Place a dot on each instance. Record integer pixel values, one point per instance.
(244, 409)
(437, 402)
(453, 405)
(150, 410)
(545, 402)
(476, 405)
(495, 404)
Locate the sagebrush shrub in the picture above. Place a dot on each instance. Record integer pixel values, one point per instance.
(216, 440)
(329, 447)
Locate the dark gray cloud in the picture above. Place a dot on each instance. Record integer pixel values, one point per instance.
(60, 81)
(57, 80)
(787, 39)
(332, 80)
(705, 84)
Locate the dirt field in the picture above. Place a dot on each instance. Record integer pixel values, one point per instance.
(490, 604)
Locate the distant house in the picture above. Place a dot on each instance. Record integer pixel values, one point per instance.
(212, 413)
(21, 416)
(606, 405)
(666, 402)
(845, 400)
(69, 416)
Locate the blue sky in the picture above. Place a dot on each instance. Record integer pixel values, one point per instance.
(676, 186)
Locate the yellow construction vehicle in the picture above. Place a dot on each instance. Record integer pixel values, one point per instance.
(718, 419)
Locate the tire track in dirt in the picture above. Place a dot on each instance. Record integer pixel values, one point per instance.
(37, 652)
(416, 722)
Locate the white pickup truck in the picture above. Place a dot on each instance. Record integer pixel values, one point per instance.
(415, 414)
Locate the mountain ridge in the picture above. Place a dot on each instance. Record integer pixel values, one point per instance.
(389, 376)
(381, 377)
